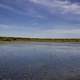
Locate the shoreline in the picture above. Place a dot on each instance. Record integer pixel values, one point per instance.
(29, 42)
(51, 40)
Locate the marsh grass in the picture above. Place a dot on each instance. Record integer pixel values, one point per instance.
(17, 39)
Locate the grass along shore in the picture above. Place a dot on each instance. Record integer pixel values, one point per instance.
(19, 39)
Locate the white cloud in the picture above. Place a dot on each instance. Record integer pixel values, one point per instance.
(58, 33)
(12, 9)
(54, 6)
(6, 7)
(3, 26)
(63, 31)
(14, 30)
(59, 6)
(29, 11)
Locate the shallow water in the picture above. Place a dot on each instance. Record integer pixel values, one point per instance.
(40, 61)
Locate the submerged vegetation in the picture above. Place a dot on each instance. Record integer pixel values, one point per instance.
(40, 39)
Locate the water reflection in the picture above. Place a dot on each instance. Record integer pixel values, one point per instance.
(40, 61)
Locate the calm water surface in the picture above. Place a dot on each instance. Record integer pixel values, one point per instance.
(40, 61)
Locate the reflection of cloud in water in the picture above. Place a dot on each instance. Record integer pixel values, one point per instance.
(37, 61)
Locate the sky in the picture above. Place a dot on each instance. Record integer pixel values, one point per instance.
(40, 18)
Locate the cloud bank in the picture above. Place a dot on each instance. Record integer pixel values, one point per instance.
(40, 18)
(54, 6)
(60, 6)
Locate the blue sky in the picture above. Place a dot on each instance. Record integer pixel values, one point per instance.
(40, 18)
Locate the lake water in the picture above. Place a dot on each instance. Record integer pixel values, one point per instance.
(40, 61)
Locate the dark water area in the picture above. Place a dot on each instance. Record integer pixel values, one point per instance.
(40, 61)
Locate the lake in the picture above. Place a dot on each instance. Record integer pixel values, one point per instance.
(40, 61)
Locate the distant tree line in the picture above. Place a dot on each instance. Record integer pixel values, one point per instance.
(40, 39)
